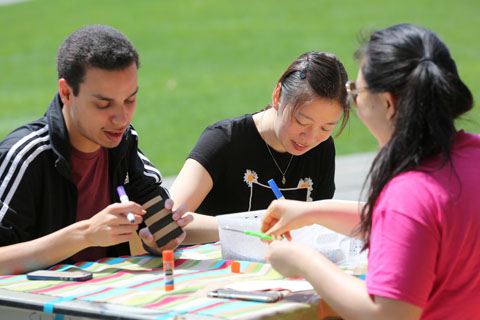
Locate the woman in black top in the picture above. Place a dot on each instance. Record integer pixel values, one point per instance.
(289, 141)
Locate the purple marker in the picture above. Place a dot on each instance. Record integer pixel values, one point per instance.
(123, 199)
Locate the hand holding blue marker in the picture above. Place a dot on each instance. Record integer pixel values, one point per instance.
(123, 199)
(275, 189)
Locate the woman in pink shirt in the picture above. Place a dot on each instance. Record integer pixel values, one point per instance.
(421, 220)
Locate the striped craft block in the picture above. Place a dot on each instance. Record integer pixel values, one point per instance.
(160, 222)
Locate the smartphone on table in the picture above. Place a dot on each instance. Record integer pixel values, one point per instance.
(59, 275)
(261, 296)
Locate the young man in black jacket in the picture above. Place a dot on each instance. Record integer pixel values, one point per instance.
(58, 175)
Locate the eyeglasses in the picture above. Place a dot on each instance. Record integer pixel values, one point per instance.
(353, 91)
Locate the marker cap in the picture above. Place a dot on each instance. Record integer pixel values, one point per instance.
(275, 189)
(121, 191)
(167, 255)
(235, 267)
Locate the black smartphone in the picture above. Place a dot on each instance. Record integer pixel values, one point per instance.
(262, 296)
(59, 275)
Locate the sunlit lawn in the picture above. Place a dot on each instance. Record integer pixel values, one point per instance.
(204, 61)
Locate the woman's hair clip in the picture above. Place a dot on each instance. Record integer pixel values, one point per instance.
(303, 73)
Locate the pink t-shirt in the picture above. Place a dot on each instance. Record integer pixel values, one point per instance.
(425, 241)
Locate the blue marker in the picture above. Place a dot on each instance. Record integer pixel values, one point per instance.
(275, 189)
(124, 198)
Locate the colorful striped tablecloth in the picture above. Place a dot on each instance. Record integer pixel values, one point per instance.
(138, 281)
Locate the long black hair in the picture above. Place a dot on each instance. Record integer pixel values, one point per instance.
(414, 65)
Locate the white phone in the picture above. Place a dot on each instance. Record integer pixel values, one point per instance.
(262, 296)
(59, 275)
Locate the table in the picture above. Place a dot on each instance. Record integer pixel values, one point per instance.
(132, 287)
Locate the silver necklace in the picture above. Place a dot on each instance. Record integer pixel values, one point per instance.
(273, 158)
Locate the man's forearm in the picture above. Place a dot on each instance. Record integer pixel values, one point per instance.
(42, 252)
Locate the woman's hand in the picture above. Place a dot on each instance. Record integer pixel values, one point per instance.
(287, 257)
(285, 215)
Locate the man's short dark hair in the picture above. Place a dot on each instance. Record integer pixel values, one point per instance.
(96, 46)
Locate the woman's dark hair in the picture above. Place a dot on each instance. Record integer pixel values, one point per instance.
(314, 74)
(96, 46)
(414, 65)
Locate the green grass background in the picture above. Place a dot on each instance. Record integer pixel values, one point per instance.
(205, 60)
